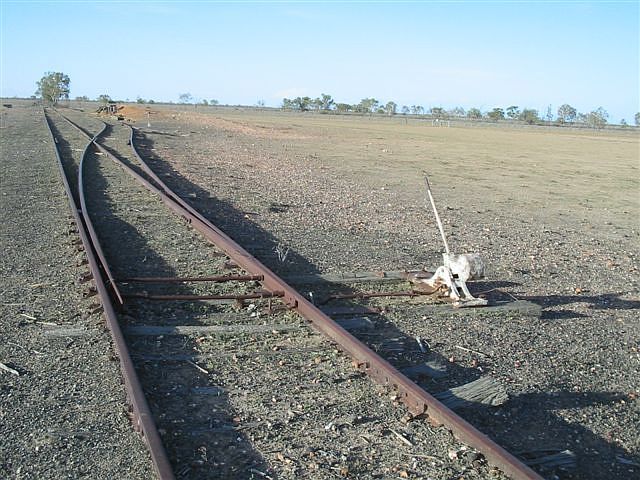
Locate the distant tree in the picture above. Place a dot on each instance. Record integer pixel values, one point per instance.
(53, 87)
(185, 98)
(623, 123)
(315, 104)
(474, 113)
(529, 116)
(496, 114)
(326, 102)
(513, 112)
(457, 112)
(636, 118)
(343, 107)
(287, 104)
(566, 113)
(367, 105)
(213, 101)
(582, 117)
(140, 100)
(104, 98)
(549, 115)
(260, 103)
(205, 102)
(404, 110)
(151, 101)
(437, 112)
(597, 118)
(82, 98)
(391, 108)
(301, 103)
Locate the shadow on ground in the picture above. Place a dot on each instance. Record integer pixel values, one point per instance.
(606, 301)
(194, 416)
(527, 423)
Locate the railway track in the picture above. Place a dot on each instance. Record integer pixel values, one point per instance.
(198, 322)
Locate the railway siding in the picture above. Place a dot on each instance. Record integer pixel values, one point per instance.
(180, 441)
(65, 414)
(242, 392)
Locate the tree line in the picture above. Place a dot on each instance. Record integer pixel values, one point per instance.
(54, 86)
(565, 114)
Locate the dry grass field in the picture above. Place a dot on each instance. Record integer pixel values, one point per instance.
(550, 174)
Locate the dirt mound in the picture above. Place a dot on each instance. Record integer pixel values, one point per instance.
(138, 112)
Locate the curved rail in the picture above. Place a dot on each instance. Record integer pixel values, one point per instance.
(140, 408)
(85, 212)
(414, 397)
(87, 219)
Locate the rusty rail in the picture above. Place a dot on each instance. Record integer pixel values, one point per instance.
(248, 296)
(215, 279)
(415, 398)
(89, 224)
(143, 420)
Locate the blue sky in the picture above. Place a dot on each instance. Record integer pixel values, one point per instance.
(472, 54)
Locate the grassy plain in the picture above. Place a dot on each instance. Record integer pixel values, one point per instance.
(549, 174)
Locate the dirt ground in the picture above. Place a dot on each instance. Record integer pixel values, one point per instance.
(63, 412)
(553, 212)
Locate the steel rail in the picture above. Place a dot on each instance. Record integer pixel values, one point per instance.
(214, 279)
(87, 219)
(414, 397)
(143, 419)
(417, 400)
(104, 265)
(248, 296)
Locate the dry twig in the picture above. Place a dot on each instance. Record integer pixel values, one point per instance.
(198, 367)
(472, 351)
(9, 369)
(262, 474)
(404, 439)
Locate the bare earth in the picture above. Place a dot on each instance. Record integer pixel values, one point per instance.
(64, 415)
(555, 213)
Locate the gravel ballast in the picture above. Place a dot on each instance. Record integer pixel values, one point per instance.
(64, 415)
(303, 195)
